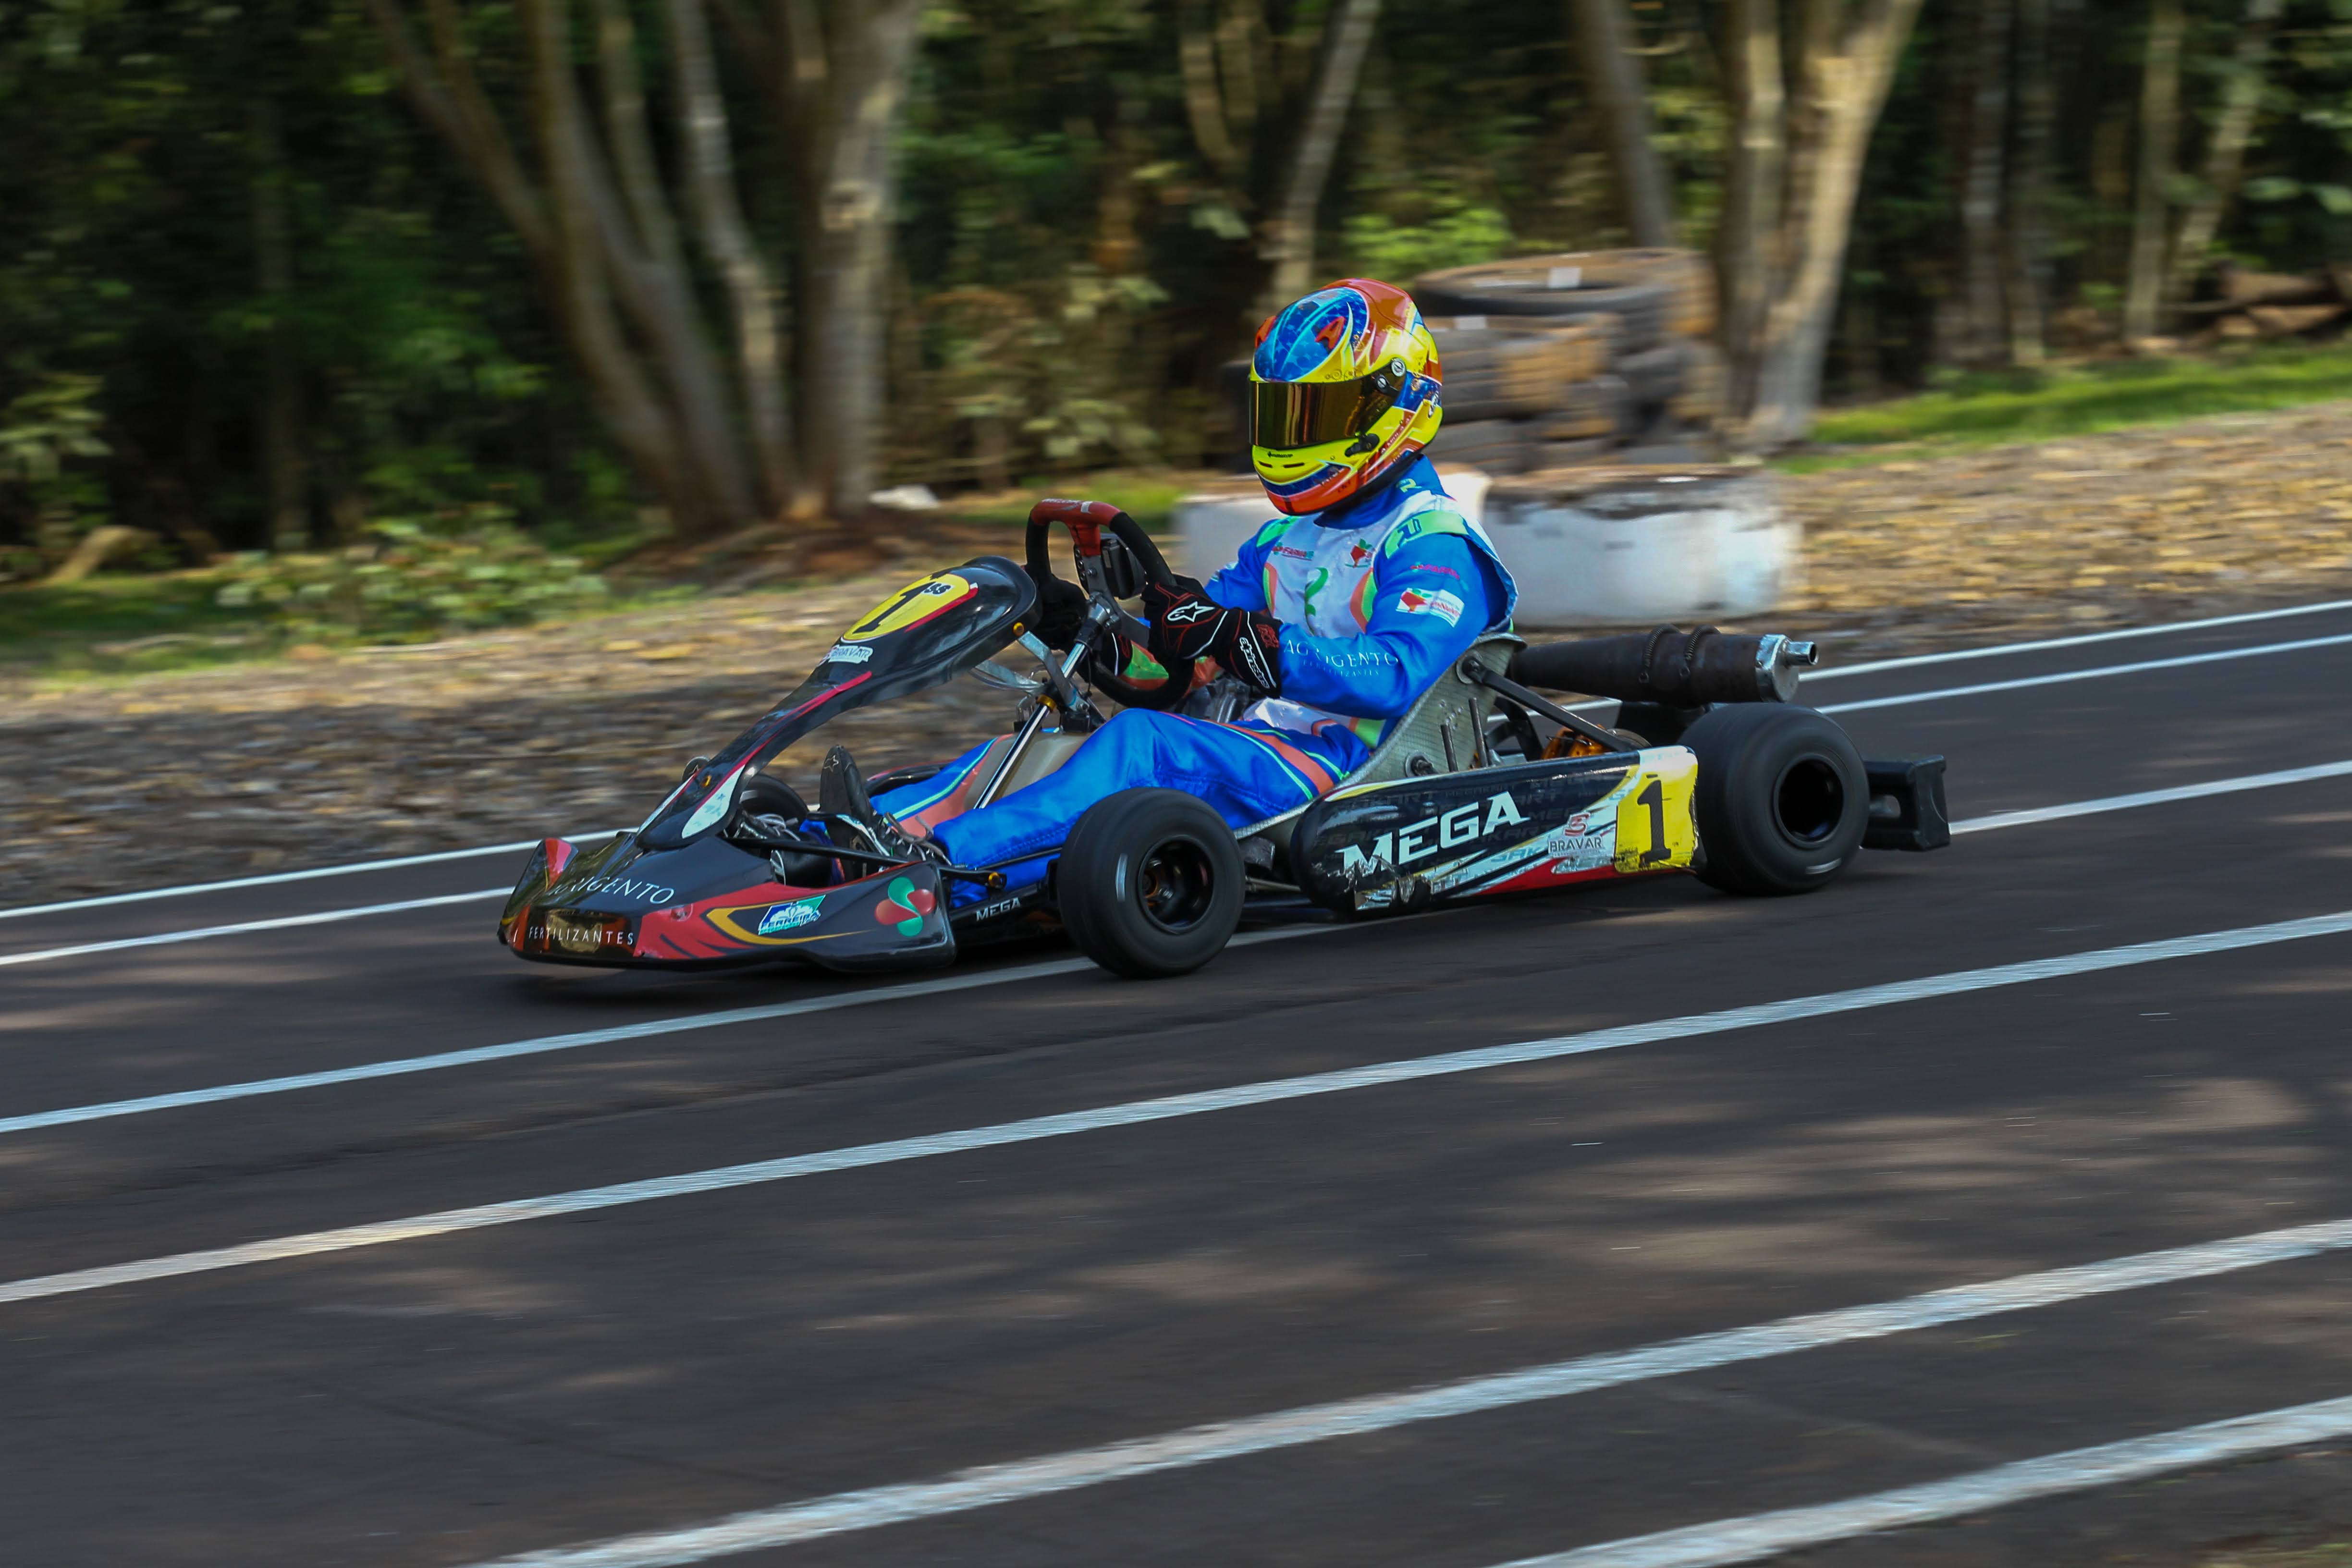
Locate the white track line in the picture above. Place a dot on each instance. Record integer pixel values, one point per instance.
(1916, 660)
(987, 1486)
(2078, 1469)
(402, 1066)
(2026, 815)
(1867, 669)
(2020, 684)
(2023, 817)
(1140, 1113)
(242, 927)
(275, 876)
(2019, 819)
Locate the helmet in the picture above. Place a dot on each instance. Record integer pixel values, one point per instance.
(1343, 392)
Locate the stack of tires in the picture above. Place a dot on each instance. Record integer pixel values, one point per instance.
(1585, 357)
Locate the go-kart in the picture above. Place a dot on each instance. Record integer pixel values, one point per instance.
(1484, 787)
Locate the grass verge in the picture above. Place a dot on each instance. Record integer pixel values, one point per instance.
(1148, 496)
(2077, 400)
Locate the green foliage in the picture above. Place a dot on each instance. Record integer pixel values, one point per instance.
(41, 433)
(409, 581)
(1079, 224)
(1455, 234)
(140, 139)
(44, 427)
(122, 624)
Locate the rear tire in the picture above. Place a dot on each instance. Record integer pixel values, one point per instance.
(1523, 288)
(1150, 883)
(1781, 800)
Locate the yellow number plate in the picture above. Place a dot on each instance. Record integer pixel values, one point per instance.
(1654, 829)
(912, 606)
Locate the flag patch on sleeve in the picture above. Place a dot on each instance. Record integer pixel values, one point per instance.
(1446, 606)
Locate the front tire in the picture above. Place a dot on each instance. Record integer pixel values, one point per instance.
(1781, 800)
(1150, 883)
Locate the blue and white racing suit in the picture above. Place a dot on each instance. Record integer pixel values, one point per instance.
(1377, 598)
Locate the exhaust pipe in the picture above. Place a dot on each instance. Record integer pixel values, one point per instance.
(1674, 669)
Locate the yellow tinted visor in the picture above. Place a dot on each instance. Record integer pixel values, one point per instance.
(1287, 415)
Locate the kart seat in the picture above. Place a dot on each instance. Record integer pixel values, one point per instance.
(1444, 731)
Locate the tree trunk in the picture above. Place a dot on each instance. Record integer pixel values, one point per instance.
(1241, 33)
(678, 447)
(2159, 137)
(284, 481)
(642, 250)
(1205, 102)
(2241, 98)
(1614, 76)
(700, 404)
(1289, 241)
(846, 218)
(1980, 204)
(576, 231)
(1846, 67)
(726, 241)
(1746, 257)
(2029, 189)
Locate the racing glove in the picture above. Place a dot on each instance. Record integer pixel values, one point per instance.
(1186, 624)
(1061, 610)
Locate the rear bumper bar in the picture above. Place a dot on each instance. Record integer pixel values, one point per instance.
(1906, 806)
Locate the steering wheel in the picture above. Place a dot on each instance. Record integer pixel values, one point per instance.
(1087, 521)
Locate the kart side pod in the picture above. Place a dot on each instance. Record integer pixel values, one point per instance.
(1416, 841)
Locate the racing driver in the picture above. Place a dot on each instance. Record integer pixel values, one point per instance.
(1337, 614)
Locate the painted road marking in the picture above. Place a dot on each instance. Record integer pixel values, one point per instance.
(2152, 797)
(2180, 662)
(1916, 660)
(2078, 1469)
(883, 993)
(242, 927)
(1133, 1113)
(986, 1486)
(543, 1044)
(1867, 669)
(275, 876)
(2019, 819)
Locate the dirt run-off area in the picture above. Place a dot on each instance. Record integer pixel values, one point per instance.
(166, 779)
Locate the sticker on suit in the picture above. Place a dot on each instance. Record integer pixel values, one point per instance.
(1445, 605)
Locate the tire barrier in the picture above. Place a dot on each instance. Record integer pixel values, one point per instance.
(1632, 378)
(1599, 357)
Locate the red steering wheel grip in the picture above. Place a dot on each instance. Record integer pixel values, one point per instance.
(1086, 520)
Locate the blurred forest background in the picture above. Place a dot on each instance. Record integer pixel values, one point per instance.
(496, 289)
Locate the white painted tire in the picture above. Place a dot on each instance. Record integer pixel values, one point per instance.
(1597, 546)
(1622, 546)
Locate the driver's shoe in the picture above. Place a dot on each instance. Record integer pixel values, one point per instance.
(841, 792)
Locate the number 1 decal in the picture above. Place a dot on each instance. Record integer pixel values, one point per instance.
(1654, 817)
(1655, 797)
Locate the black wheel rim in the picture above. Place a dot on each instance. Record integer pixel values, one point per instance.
(1175, 884)
(1809, 802)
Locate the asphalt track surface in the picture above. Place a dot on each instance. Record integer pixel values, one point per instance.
(639, 1371)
